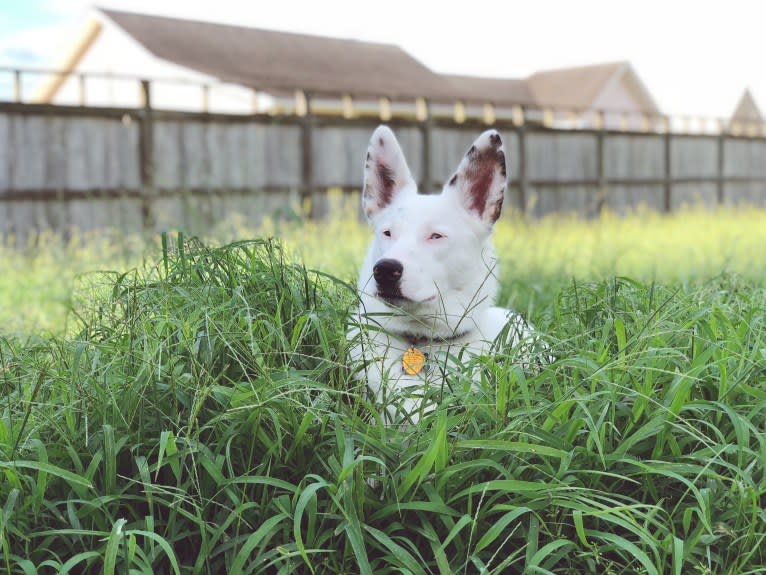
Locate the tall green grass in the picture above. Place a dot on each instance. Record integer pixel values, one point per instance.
(40, 285)
(202, 418)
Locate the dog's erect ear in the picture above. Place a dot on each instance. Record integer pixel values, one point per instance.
(385, 172)
(480, 178)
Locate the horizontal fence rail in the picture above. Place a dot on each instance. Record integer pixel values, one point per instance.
(145, 168)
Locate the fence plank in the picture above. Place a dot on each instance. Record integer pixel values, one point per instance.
(694, 157)
(283, 163)
(88, 167)
(5, 153)
(624, 199)
(545, 200)
(744, 193)
(696, 194)
(124, 155)
(562, 156)
(167, 154)
(30, 146)
(633, 156)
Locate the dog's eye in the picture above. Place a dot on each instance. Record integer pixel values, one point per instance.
(387, 233)
(435, 236)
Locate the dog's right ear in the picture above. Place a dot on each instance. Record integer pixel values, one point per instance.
(480, 179)
(385, 172)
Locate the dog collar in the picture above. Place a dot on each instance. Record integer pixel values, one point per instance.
(421, 340)
(414, 359)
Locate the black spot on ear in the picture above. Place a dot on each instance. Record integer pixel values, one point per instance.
(368, 156)
(497, 209)
(501, 161)
(453, 179)
(381, 142)
(471, 151)
(495, 140)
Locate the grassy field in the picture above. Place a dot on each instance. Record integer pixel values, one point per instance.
(193, 411)
(41, 285)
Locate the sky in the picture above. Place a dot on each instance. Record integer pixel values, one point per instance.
(695, 57)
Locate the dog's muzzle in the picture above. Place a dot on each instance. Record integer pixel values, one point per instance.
(388, 274)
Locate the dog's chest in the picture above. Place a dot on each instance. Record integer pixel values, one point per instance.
(403, 364)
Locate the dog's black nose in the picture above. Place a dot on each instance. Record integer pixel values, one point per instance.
(388, 272)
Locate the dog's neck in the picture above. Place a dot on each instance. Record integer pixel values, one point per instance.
(417, 340)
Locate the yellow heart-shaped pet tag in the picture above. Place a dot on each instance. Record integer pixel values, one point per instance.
(413, 361)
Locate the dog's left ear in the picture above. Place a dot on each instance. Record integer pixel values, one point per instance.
(385, 172)
(480, 178)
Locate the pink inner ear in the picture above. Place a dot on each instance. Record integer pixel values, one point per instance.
(386, 183)
(480, 190)
(480, 174)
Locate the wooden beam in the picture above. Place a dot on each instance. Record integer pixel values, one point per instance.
(668, 183)
(422, 113)
(521, 172)
(384, 108)
(81, 89)
(205, 98)
(426, 130)
(720, 167)
(348, 106)
(548, 117)
(459, 112)
(48, 90)
(603, 185)
(17, 95)
(517, 115)
(301, 103)
(489, 116)
(146, 155)
(307, 157)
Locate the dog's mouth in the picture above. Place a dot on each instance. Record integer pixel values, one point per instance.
(393, 297)
(397, 299)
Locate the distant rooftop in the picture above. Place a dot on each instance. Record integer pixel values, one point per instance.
(747, 110)
(283, 62)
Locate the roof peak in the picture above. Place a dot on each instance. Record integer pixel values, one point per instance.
(747, 109)
(584, 67)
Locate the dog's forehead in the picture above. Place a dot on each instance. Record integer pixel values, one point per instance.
(420, 209)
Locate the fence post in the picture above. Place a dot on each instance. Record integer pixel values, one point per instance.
(206, 98)
(667, 140)
(522, 171)
(600, 163)
(81, 89)
(307, 155)
(426, 129)
(146, 151)
(17, 86)
(721, 164)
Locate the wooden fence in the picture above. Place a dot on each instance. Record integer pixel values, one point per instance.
(64, 167)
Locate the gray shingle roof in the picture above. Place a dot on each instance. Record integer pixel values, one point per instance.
(578, 88)
(271, 60)
(571, 87)
(498, 91)
(281, 62)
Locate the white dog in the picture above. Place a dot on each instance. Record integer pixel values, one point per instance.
(428, 283)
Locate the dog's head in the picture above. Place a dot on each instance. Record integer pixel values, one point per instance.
(431, 253)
